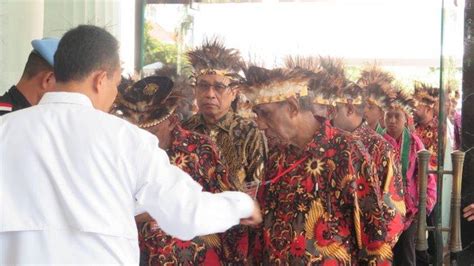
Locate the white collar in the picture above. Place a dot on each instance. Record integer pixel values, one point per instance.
(66, 97)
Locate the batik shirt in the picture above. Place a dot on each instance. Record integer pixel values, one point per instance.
(241, 143)
(319, 208)
(244, 150)
(198, 156)
(387, 169)
(411, 178)
(429, 136)
(457, 130)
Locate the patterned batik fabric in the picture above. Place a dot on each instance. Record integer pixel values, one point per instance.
(411, 178)
(387, 169)
(319, 208)
(241, 143)
(457, 130)
(244, 150)
(198, 156)
(429, 136)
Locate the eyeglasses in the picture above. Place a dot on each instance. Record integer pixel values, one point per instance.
(218, 87)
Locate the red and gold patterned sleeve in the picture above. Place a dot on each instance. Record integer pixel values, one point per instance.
(431, 188)
(256, 153)
(201, 159)
(392, 194)
(274, 162)
(219, 172)
(212, 167)
(370, 226)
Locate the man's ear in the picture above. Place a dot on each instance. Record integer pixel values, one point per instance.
(173, 121)
(293, 106)
(99, 80)
(330, 111)
(234, 91)
(48, 81)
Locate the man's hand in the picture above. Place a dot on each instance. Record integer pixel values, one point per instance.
(256, 217)
(144, 217)
(469, 212)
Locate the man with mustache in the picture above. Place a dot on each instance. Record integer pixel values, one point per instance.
(426, 101)
(426, 118)
(216, 78)
(73, 175)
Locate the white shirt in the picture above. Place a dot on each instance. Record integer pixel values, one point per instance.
(71, 175)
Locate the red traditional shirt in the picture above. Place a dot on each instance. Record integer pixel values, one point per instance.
(320, 208)
(429, 136)
(457, 130)
(387, 169)
(198, 156)
(244, 151)
(411, 178)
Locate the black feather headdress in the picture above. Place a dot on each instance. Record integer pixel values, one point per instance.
(214, 58)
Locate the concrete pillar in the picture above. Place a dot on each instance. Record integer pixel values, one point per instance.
(21, 21)
(114, 15)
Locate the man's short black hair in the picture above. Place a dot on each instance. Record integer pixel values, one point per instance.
(35, 65)
(83, 50)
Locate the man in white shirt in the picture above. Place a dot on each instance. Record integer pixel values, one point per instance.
(72, 176)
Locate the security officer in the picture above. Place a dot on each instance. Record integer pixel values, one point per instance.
(36, 80)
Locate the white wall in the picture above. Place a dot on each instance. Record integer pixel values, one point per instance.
(24, 20)
(20, 22)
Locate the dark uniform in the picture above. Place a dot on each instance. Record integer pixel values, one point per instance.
(12, 100)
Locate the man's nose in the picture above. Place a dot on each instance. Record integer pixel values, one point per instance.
(210, 93)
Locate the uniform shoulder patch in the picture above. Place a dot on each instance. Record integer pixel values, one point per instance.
(6, 107)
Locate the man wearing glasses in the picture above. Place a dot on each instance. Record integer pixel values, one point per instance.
(216, 80)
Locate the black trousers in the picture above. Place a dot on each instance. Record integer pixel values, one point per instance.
(404, 251)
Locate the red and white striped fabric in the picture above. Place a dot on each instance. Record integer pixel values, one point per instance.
(7, 107)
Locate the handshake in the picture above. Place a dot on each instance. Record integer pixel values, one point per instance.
(256, 217)
(251, 189)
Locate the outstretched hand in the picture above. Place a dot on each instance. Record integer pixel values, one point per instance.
(256, 217)
(469, 212)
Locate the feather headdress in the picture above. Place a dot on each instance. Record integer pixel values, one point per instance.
(214, 58)
(425, 94)
(276, 85)
(309, 63)
(453, 89)
(327, 76)
(182, 87)
(328, 81)
(351, 94)
(147, 102)
(401, 100)
(377, 85)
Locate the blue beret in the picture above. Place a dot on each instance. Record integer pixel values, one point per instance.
(46, 48)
